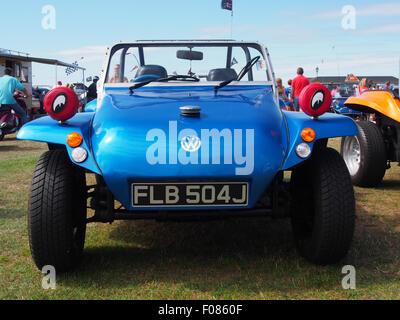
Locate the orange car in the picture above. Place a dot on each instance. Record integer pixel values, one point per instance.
(368, 155)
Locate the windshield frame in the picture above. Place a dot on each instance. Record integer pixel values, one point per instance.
(269, 80)
(190, 44)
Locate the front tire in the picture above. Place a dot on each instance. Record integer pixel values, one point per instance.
(365, 155)
(323, 208)
(57, 212)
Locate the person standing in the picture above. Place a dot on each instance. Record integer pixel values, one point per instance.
(363, 86)
(92, 90)
(115, 78)
(8, 85)
(59, 84)
(288, 89)
(298, 84)
(336, 92)
(40, 94)
(281, 89)
(282, 93)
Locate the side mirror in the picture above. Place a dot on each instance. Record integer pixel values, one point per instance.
(189, 55)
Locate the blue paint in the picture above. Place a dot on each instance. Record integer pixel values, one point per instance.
(48, 130)
(120, 140)
(342, 109)
(91, 106)
(326, 126)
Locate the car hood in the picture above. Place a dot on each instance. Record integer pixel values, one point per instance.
(139, 136)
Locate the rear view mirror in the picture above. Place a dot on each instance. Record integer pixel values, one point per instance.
(89, 79)
(189, 55)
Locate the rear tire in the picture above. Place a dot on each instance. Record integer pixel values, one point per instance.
(57, 212)
(323, 208)
(369, 167)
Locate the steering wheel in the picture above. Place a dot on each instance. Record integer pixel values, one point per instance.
(247, 67)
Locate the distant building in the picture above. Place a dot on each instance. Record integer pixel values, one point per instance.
(21, 66)
(381, 80)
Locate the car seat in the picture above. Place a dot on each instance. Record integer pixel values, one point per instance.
(222, 74)
(150, 72)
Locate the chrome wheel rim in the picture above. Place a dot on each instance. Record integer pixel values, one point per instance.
(352, 154)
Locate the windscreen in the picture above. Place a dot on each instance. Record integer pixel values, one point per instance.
(135, 63)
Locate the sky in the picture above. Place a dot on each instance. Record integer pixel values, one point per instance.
(308, 33)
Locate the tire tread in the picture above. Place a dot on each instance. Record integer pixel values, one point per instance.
(56, 195)
(322, 186)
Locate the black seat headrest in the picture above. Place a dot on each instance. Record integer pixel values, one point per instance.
(222, 74)
(152, 69)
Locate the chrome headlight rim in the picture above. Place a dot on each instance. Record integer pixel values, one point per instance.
(303, 150)
(79, 154)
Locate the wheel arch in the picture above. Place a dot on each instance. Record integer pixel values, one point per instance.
(55, 146)
(327, 126)
(55, 135)
(376, 101)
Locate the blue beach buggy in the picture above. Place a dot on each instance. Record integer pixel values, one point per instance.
(189, 129)
(338, 104)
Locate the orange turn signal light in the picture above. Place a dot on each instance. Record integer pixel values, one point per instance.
(308, 135)
(74, 139)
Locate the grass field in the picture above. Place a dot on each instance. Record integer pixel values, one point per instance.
(233, 259)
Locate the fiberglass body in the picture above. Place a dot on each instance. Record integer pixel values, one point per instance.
(137, 136)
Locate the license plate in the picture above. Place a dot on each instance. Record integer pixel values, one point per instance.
(232, 194)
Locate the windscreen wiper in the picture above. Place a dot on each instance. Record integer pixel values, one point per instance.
(223, 84)
(145, 83)
(241, 74)
(174, 77)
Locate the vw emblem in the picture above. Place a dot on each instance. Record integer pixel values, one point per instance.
(191, 143)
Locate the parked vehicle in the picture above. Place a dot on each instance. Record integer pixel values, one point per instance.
(80, 86)
(81, 91)
(173, 145)
(38, 94)
(368, 155)
(10, 121)
(338, 102)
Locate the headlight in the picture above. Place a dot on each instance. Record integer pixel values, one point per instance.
(79, 155)
(303, 150)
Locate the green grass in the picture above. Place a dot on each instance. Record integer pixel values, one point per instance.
(233, 259)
